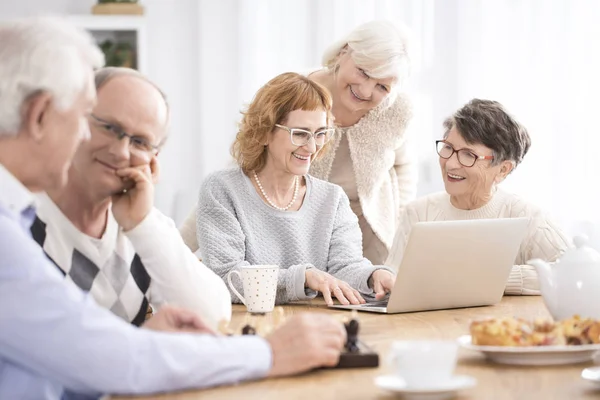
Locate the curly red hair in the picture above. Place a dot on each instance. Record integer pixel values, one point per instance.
(271, 105)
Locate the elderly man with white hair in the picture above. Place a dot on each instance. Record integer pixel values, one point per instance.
(54, 338)
(101, 229)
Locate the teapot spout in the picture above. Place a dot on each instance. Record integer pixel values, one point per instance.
(547, 282)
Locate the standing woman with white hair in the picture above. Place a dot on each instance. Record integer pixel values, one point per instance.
(370, 156)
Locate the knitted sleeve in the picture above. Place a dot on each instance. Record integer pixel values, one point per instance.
(547, 241)
(544, 240)
(522, 281)
(222, 242)
(178, 277)
(346, 261)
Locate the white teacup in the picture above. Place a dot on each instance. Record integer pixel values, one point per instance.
(260, 286)
(424, 363)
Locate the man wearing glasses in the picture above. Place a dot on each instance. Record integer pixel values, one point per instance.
(102, 231)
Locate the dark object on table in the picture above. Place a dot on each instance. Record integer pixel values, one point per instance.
(352, 336)
(248, 330)
(356, 354)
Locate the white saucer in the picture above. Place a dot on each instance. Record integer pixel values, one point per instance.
(591, 374)
(534, 355)
(447, 390)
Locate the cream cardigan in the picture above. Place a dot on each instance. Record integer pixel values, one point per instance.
(543, 239)
(384, 166)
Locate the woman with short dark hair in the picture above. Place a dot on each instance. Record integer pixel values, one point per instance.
(482, 144)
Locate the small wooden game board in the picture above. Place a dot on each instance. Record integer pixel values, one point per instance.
(355, 355)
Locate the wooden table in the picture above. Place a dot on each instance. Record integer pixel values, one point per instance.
(379, 331)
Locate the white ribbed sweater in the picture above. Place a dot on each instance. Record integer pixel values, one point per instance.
(543, 239)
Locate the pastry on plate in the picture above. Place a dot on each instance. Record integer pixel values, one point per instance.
(541, 332)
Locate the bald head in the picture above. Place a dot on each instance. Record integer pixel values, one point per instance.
(126, 102)
(104, 75)
(135, 104)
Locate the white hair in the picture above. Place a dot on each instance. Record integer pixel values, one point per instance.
(43, 54)
(382, 48)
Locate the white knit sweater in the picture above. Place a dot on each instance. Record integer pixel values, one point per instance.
(543, 239)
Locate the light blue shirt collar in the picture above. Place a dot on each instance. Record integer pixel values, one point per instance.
(14, 195)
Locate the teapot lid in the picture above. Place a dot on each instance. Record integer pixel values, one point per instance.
(582, 253)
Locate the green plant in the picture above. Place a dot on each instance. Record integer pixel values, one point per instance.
(117, 54)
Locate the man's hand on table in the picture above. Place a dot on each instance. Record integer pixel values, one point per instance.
(304, 342)
(174, 319)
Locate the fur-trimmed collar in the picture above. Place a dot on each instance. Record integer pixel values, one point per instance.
(379, 130)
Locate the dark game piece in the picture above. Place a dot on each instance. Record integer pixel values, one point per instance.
(356, 354)
(248, 330)
(352, 336)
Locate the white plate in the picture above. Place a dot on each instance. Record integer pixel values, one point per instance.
(448, 390)
(534, 355)
(591, 374)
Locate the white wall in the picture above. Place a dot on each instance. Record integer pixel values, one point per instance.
(173, 65)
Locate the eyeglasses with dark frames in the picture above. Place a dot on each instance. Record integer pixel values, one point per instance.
(465, 157)
(137, 144)
(300, 137)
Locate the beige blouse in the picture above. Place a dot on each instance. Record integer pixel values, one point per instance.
(342, 174)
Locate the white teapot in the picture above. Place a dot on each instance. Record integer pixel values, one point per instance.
(571, 285)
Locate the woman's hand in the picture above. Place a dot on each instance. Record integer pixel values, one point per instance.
(321, 281)
(382, 281)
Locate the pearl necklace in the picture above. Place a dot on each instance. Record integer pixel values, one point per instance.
(262, 190)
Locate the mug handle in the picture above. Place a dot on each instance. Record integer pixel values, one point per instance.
(233, 288)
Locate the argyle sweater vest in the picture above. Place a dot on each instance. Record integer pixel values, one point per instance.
(107, 268)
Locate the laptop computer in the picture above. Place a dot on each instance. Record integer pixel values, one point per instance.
(453, 264)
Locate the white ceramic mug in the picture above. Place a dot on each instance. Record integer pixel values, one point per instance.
(260, 286)
(424, 363)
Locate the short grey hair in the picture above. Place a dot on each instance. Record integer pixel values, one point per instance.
(382, 48)
(487, 122)
(43, 54)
